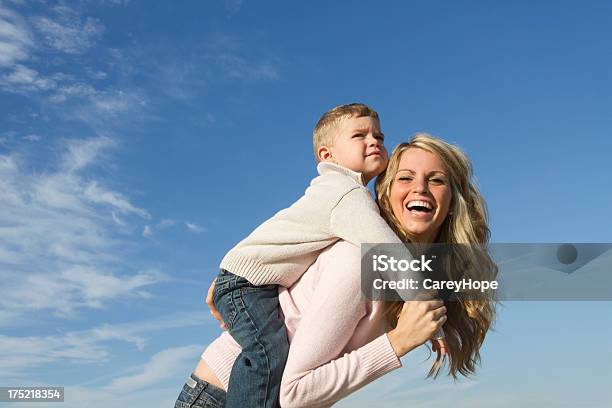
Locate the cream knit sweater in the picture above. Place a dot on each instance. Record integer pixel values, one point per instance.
(336, 205)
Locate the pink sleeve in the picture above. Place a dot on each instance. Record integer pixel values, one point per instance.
(316, 373)
(220, 356)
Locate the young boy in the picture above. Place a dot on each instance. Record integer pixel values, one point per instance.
(349, 148)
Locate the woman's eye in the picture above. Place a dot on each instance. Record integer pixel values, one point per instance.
(405, 178)
(437, 181)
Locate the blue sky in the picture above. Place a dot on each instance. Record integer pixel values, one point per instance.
(140, 140)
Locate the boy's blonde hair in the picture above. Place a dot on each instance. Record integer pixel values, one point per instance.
(326, 130)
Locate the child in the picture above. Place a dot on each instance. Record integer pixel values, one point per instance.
(349, 148)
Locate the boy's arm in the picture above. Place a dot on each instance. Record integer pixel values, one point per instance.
(356, 219)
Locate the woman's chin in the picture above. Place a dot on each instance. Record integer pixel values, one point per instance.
(420, 216)
(420, 231)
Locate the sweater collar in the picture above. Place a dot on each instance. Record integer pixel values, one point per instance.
(328, 167)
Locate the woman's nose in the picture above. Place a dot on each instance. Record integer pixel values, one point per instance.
(420, 185)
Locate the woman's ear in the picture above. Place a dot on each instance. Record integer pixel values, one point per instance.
(324, 154)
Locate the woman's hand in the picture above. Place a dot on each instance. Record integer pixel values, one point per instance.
(418, 322)
(210, 301)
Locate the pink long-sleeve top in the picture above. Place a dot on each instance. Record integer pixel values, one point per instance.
(338, 340)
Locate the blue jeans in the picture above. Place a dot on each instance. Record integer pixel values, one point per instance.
(198, 393)
(251, 314)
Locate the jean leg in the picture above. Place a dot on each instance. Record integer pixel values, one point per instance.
(257, 327)
(226, 284)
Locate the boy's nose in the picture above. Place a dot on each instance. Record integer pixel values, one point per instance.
(373, 141)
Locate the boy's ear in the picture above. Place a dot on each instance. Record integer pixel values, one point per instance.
(324, 153)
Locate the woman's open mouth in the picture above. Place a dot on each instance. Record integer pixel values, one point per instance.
(420, 209)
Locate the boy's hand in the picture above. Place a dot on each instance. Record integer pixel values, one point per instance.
(210, 301)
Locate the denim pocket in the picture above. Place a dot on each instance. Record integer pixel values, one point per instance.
(187, 397)
(223, 280)
(198, 393)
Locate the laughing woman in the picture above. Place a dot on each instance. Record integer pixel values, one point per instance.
(340, 341)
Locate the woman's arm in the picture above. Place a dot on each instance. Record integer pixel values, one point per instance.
(316, 373)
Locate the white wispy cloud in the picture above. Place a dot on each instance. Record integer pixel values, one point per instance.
(83, 152)
(163, 366)
(225, 58)
(147, 232)
(62, 30)
(20, 353)
(179, 79)
(68, 32)
(162, 395)
(237, 58)
(23, 352)
(154, 383)
(16, 39)
(235, 66)
(117, 220)
(59, 249)
(99, 195)
(21, 79)
(99, 108)
(62, 34)
(71, 91)
(166, 223)
(407, 386)
(424, 390)
(233, 6)
(32, 138)
(17, 43)
(193, 227)
(98, 75)
(118, 2)
(115, 102)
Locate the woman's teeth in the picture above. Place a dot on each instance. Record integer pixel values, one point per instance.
(420, 206)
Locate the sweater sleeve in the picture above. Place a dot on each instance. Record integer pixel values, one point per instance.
(316, 374)
(356, 219)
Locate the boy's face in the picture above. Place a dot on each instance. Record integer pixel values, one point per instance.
(359, 146)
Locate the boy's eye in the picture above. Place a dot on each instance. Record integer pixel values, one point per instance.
(358, 135)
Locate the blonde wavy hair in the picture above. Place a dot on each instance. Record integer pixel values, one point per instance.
(466, 223)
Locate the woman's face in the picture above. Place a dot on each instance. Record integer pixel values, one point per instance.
(421, 194)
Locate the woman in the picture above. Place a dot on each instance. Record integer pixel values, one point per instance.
(339, 341)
